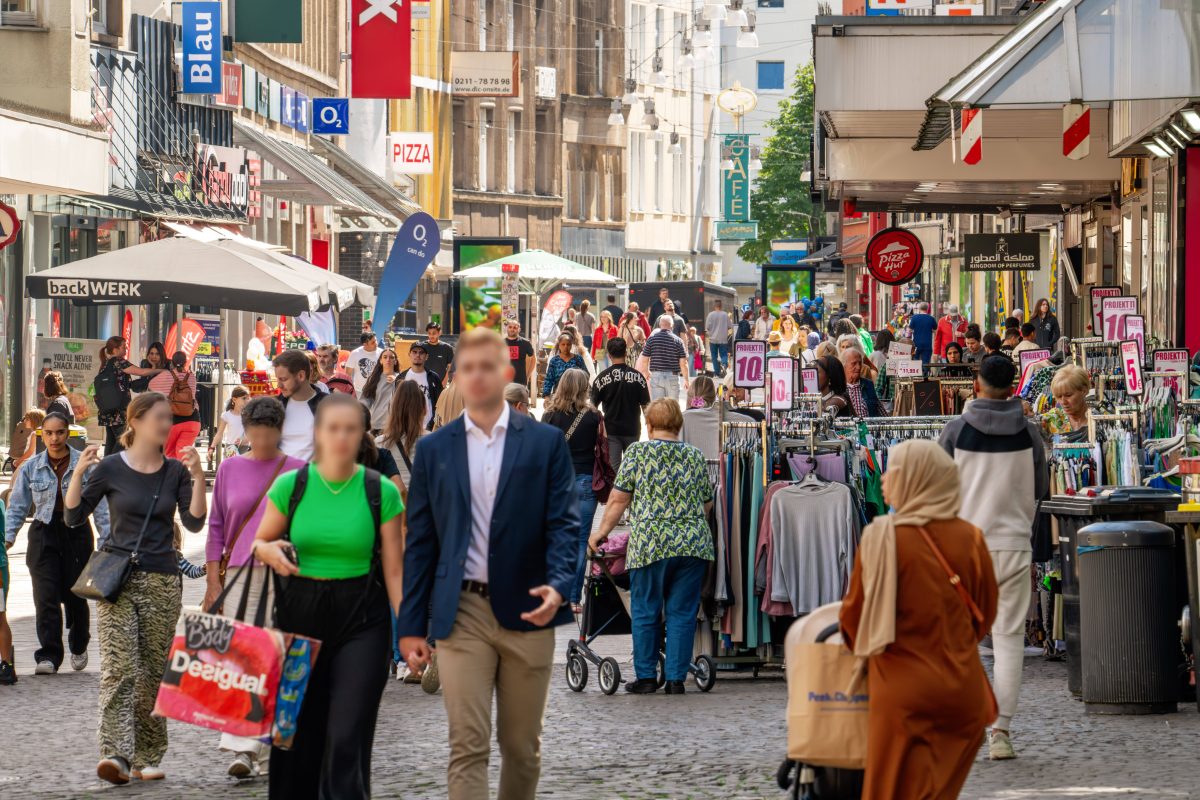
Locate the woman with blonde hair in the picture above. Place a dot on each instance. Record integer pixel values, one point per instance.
(1070, 386)
(570, 410)
(789, 334)
(922, 596)
(404, 427)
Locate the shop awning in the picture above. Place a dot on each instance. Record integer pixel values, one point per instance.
(309, 179)
(1089, 51)
(539, 271)
(364, 179)
(42, 156)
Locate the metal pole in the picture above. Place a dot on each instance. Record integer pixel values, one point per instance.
(221, 378)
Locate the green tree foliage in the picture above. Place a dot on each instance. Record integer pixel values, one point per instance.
(779, 199)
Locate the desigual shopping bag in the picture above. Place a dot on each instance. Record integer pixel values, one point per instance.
(222, 674)
(827, 699)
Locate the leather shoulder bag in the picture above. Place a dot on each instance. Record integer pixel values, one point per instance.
(107, 570)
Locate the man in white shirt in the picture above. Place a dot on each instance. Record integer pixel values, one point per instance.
(492, 550)
(430, 382)
(299, 398)
(362, 361)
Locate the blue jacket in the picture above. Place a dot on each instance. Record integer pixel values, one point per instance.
(871, 398)
(34, 490)
(534, 534)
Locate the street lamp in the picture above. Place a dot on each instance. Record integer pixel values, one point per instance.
(649, 118)
(657, 77)
(630, 97)
(686, 59)
(675, 147)
(747, 37)
(736, 17)
(714, 10)
(614, 116)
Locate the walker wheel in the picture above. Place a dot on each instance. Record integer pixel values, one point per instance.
(577, 672)
(610, 676)
(705, 673)
(662, 672)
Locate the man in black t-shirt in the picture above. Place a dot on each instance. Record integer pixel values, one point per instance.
(440, 354)
(520, 354)
(621, 392)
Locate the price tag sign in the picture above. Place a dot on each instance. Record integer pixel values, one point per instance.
(1113, 312)
(1030, 357)
(905, 368)
(783, 382)
(900, 350)
(1135, 328)
(808, 379)
(1097, 294)
(1174, 361)
(1131, 365)
(749, 364)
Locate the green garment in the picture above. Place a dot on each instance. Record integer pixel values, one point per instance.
(669, 483)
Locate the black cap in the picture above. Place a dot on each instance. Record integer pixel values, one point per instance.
(418, 346)
(433, 325)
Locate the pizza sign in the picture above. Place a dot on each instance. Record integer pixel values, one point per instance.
(894, 256)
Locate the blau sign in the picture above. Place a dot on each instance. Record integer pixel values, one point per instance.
(202, 48)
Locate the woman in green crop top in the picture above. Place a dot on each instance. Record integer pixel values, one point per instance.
(334, 591)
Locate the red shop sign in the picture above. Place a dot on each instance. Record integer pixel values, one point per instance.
(894, 256)
(9, 225)
(381, 49)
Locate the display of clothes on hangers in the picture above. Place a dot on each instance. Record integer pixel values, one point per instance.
(1116, 435)
(1074, 467)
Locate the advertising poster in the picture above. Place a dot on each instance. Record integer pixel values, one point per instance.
(479, 303)
(78, 360)
(210, 345)
(781, 286)
(1113, 311)
(1097, 294)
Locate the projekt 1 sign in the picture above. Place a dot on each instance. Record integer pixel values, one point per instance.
(749, 369)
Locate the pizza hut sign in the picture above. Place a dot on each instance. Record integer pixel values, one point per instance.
(894, 256)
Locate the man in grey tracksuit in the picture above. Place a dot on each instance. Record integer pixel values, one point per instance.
(1002, 468)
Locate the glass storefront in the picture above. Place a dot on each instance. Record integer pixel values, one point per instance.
(1161, 300)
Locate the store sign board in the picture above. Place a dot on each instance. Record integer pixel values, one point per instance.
(1113, 311)
(231, 85)
(78, 362)
(1097, 295)
(477, 73)
(268, 21)
(1004, 252)
(736, 181)
(300, 113)
(331, 115)
(10, 226)
(412, 153)
(1031, 357)
(749, 364)
(1135, 329)
(900, 350)
(736, 231)
(421, 9)
(905, 368)
(1131, 366)
(381, 41)
(1175, 361)
(782, 370)
(201, 33)
(808, 379)
(894, 256)
(224, 176)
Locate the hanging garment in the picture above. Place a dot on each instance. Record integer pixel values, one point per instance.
(815, 531)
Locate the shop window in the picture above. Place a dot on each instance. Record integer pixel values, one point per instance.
(770, 76)
(1160, 285)
(18, 13)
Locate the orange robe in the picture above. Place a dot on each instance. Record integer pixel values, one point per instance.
(930, 698)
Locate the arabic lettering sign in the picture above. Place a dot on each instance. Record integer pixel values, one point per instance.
(894, 256)
(749, 369)
(989, 252)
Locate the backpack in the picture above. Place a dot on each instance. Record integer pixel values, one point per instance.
(107, 391)
(181, 397)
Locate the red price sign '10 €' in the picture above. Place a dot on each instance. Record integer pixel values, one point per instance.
(1131, 365)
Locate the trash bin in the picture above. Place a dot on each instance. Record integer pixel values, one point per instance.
(1129, 634)
(1072, 514)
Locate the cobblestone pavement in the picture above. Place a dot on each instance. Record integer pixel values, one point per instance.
(726, 744)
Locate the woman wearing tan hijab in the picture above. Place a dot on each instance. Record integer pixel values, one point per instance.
(922, 597)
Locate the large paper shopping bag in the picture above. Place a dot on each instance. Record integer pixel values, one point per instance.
(827, 706)
(298, 665)
(222, 674)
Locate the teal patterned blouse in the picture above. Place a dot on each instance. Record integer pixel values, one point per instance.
(669, 484)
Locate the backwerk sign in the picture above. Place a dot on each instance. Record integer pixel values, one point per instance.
(991, 252)
(84, 289)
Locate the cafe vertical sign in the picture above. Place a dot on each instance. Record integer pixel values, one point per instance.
(736, 179)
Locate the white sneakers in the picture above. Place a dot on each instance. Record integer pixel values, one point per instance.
(1000, 746)
(149, 774)
(79, 662)
(45, 667)
(243, 766)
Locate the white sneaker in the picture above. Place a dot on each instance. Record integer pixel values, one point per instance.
(79, 662)
(243, 766)
(1000, 746)
(44, 667)
(149, 774)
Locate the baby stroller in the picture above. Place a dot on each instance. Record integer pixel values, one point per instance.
(606, 613)
(805, 774)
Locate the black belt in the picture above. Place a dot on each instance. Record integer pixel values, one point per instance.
(475, 587)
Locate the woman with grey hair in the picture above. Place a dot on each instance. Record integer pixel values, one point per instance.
(238, 503)
(517, 396)
(571, 410)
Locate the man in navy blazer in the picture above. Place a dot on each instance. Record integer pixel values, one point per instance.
(492, 541)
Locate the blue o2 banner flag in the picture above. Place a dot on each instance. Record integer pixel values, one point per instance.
(414, 249)
(202, 48)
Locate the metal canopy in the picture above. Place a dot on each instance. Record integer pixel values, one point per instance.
(364, 179)
(1091, 51)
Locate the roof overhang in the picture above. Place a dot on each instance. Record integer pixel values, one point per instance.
(42, 156)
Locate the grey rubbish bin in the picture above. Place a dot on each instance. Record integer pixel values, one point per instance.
(1129, 635)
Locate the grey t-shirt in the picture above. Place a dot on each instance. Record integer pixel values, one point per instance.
(717, 327)
(586, 323)
(814, 530)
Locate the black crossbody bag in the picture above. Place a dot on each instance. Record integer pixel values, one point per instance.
(107, 570)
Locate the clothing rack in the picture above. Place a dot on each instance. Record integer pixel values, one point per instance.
(763, 440)
(915, 423)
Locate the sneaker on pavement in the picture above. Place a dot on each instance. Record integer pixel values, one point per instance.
(79, 661)
(430, 681)
(149, 774)
(1000, 746)
(45, 667)
(8, 675)
(243, 766)
(113, 769)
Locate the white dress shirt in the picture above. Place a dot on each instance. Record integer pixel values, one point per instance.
(485, 456)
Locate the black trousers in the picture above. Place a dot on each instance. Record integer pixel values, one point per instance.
(55, 556)
(330, 757)
(112, 438)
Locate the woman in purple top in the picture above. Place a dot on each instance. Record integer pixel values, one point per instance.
(237, 508)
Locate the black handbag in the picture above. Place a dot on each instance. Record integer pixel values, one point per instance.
(108, 568)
